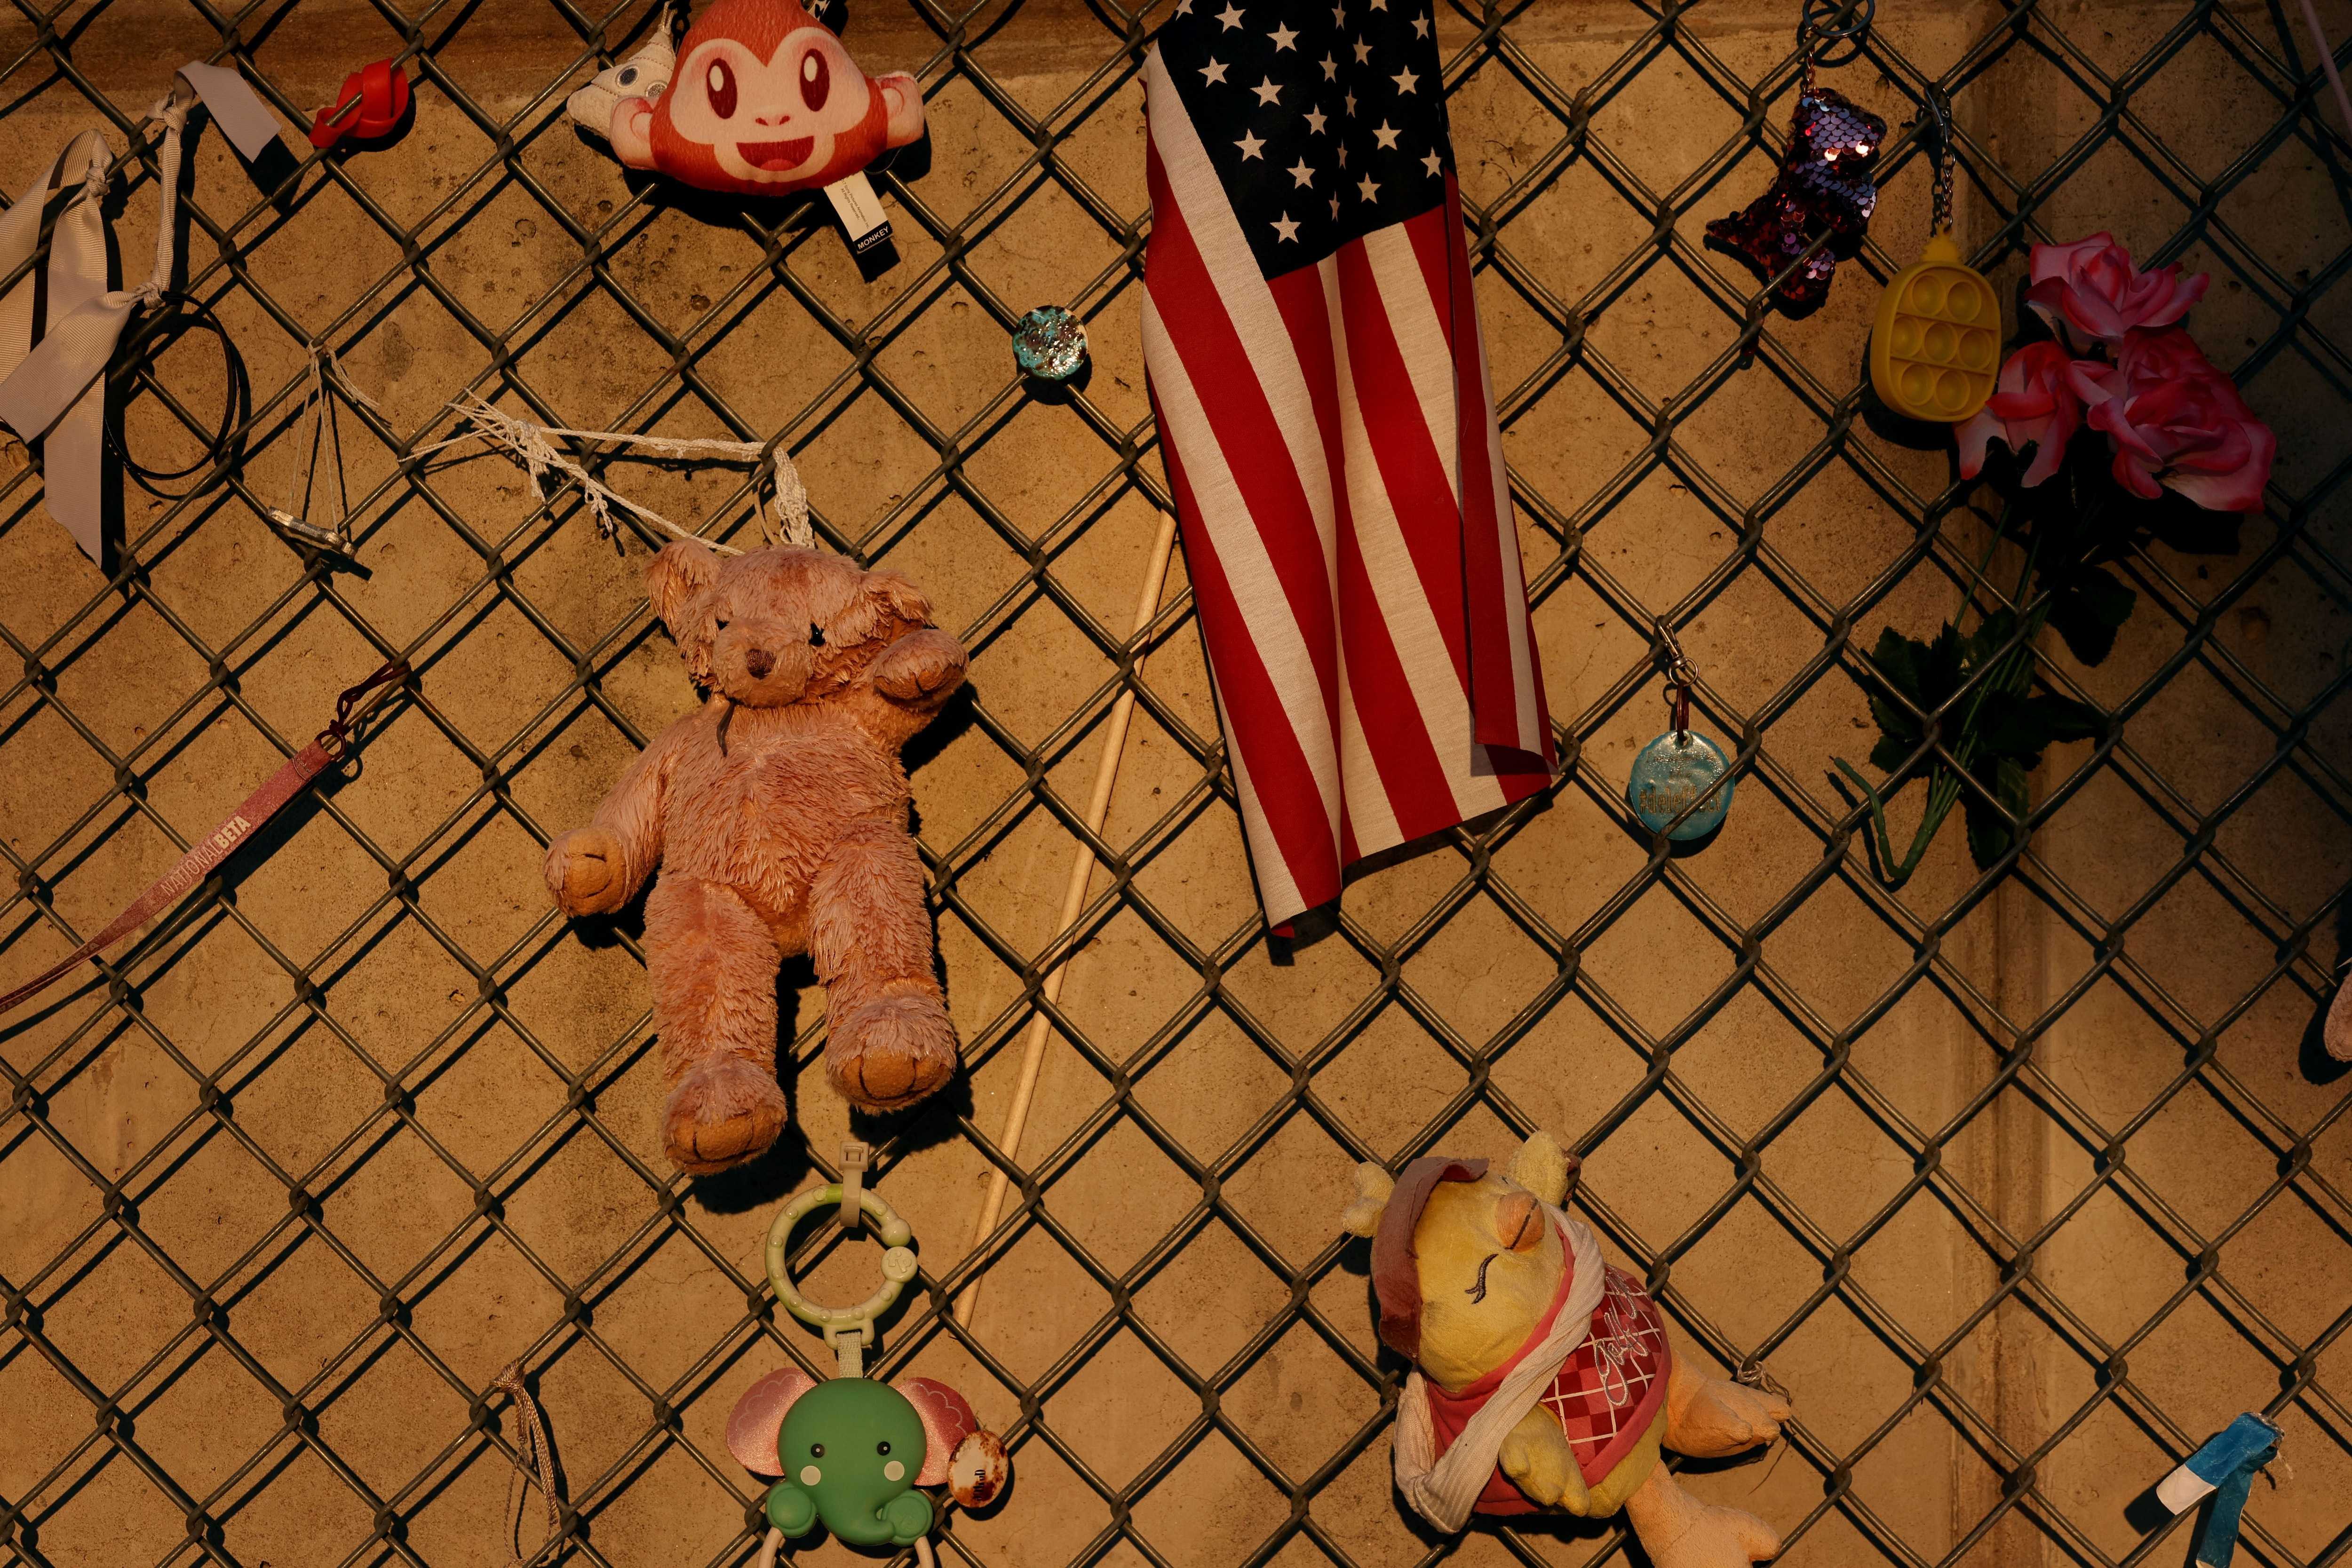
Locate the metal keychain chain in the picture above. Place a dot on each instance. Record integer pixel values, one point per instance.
(1936, 115)
(1817, 31)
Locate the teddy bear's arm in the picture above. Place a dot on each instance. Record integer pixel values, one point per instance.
(599, 868)
(912, 681)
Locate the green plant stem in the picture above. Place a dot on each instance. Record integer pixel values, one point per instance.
(1984, 563)
(2012, 672)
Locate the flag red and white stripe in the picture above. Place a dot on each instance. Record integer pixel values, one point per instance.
(1330, 436)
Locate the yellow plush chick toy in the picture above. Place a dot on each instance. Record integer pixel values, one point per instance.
(1543, 1378)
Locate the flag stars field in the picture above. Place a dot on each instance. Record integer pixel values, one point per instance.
(1296, 59)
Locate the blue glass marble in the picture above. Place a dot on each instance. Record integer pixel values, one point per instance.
(1673, 771)
(1050, 343)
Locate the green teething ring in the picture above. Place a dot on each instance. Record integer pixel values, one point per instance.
(847, 1329)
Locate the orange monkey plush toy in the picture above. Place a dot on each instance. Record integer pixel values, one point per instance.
(766, 102)
(777, 814)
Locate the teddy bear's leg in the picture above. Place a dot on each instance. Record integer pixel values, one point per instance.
(714, 972)
(889, 1040)
(1680, 1532)
(1708, 1418)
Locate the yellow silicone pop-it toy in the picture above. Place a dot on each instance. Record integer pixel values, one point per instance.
(1935, 350)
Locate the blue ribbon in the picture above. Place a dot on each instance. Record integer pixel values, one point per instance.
(2224, 1469)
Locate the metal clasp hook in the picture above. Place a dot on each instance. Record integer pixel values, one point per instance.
(1680, 679)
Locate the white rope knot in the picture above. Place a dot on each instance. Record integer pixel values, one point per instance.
(530, 442)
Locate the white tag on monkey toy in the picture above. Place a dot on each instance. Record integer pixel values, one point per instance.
(860, 210)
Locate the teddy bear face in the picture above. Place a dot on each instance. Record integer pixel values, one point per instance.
(1490, 1268)
(772, 628)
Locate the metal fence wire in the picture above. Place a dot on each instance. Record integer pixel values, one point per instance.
(2022, 1182)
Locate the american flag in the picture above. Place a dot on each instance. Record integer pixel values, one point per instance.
(1329, 434)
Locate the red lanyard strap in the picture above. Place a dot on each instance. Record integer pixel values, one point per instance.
(331, 746)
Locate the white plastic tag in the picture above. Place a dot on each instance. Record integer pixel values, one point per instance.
(236, 108)
(860, 210)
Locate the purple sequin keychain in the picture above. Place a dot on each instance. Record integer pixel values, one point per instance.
(1825, 186)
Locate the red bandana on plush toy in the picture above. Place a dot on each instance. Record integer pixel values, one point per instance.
(765, 102)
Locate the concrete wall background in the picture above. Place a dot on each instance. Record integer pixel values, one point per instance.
(2247, 1154)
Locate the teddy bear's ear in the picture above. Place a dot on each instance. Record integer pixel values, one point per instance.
(1545, 1169)
(894, 597)
(1373, 1185)
(678, 571)
(886, 608)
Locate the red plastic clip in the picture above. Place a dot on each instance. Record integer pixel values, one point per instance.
(371, 105)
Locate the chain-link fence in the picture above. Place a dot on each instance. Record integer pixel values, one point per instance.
(2022, 1182)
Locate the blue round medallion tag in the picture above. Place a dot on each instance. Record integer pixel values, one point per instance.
(1050, 344)
(1671, 772)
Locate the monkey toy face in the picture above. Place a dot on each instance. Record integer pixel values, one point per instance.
(765, 102)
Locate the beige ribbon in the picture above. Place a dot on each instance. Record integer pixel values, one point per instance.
(533, 1455)
(59, 323)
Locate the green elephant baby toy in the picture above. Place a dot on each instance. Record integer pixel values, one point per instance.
(852, 1452)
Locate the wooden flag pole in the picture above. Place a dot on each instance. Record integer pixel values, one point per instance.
(1074, 901)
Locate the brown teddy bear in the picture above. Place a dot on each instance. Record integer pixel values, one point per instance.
(778, 813)
(1542, 1377)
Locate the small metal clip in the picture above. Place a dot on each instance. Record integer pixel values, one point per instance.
(1680, 679)
(1678, 664)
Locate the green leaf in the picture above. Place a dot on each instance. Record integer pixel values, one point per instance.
(1897, 663)
(2087, 610)
(1991, 824)
(1897, 660)
(2011, 726)
(2063, 718)
(1892, 751)
(1941, 669)
(1989, 640)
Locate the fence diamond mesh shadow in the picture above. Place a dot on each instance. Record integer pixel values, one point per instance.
(2022, 1181)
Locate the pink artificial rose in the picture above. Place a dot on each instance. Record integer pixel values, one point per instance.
(2036, 404)
(2092, 294)
(2176, 424)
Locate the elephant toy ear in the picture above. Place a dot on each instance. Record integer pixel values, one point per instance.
(758, 1416)
(948, 1420)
